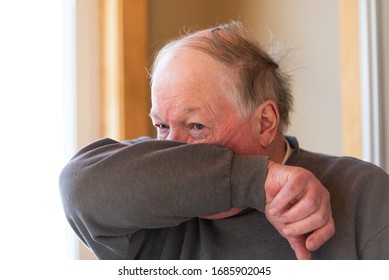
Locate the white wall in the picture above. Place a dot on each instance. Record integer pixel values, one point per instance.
(311, 28)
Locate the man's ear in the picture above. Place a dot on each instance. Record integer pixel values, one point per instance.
(268, 117)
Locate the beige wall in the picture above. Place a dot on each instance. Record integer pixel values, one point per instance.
(168, 18)
(87, 71)
(311, 29)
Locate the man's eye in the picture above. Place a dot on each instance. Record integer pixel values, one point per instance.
(199, 131)
(162, 126)
(198, 126)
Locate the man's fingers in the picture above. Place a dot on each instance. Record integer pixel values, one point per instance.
(310, 203)
(287, 185)
(298, 246)
(316, 239)
(306, 225)
(285, 198)
(301, 198)
(320, 236)
(297, 221)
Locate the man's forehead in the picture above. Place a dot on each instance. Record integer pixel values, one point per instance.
(185, 110)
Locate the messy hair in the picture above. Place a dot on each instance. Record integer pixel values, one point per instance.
(257, 77)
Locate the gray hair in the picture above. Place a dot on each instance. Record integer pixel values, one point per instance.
(257, 76)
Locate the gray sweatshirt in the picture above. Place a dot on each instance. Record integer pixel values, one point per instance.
(141, 199)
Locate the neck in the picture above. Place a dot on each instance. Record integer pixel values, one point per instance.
(277, 149)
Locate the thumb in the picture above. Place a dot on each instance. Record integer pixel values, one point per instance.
(274, 181)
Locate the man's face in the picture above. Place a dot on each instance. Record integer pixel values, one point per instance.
(189, 104)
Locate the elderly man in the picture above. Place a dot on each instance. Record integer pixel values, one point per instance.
(201, 191)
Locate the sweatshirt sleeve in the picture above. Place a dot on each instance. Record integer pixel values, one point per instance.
(112, 188)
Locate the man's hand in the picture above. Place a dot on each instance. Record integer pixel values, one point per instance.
(297, 204)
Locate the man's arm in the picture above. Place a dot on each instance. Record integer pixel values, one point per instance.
(111, 189)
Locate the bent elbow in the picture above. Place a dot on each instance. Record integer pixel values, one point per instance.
(72, 187)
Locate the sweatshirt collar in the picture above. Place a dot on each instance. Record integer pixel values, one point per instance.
(289, 151)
